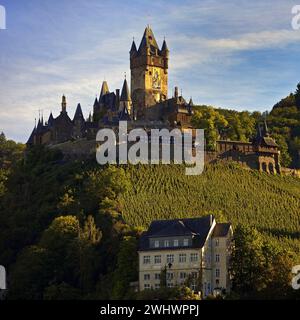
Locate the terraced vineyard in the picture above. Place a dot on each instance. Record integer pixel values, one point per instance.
(270, 203)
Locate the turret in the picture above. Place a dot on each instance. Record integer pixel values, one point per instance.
(104, 90)
(133, 50)
(63, 104)
(125, 99)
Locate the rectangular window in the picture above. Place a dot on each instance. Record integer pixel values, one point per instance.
(146, 286)
(217, 258)
(193, 286)
(176, 243)
(217, 273)
(185, 242)
(194, 275)
(156, 244)
(157, 276)
(182, 275)
(170, 275)
(146, 259)
(217, 242)
(182, 258)
(194, 257)
(170, 285)
(157, 259)
(170, 258)
(157, 286)
(147, 276)
(167, 243)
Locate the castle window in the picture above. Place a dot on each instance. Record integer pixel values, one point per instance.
(217, 273)
(167, 243)
(170, 275)
(146, 286)
(157, 285)
(156, 244)
(176, 243)
(217, 258)
(182, 275)
(217, 242)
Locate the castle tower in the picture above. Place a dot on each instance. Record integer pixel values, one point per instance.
(149, 73)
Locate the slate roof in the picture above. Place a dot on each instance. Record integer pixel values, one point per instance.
(148, 40)
(221, 229)
(78, 114)
(198, 228)
(125, 95)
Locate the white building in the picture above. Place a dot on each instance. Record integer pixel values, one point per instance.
(193, 252)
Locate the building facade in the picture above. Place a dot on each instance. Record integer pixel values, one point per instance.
(191, 252)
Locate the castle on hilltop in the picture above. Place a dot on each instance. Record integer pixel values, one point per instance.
(147, 105)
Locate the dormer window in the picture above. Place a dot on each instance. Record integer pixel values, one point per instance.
(185, 242)
(156, 244)
(176, 243)
(167, 243)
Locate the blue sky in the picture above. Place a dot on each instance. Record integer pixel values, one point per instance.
(236, 54)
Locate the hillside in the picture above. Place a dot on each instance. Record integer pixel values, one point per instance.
(270, 203)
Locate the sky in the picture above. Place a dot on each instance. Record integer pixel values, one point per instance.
(235, 54)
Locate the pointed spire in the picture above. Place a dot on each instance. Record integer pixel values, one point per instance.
(50, 120)
(148, 40)
(125, 95)
(96, 103)
(164, 47)
(78, 113)
(104, 89)
(191, 103)
(133, 47)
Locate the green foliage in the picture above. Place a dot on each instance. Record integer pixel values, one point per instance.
(259, 268)
(126, 269)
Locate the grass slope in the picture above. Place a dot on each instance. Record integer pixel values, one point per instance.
(270, 203)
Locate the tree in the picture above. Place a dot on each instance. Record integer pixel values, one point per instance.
(297, 96)
(126, 269)
(247, 263)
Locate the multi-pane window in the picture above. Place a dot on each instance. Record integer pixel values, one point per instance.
(157, 259)
(182, 275)
(194, 275)
(146, 276)
(194, 257)
(185, 242)
(157, 276)
(156, 244)
(146, 259)
(157, 285)
(193, 286)
(170, 285)
(217, 273)
(217, 258)
(170, 258)
(167, 243)
(182, 257)
(146, 286)
(176, 243)
(170, 275)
